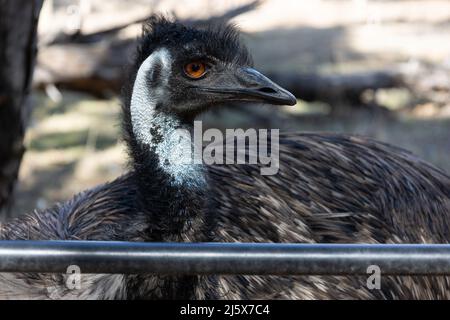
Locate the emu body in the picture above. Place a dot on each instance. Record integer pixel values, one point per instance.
(329, 188)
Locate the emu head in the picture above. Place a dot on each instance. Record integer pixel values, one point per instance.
(179, 72)
(185, 70)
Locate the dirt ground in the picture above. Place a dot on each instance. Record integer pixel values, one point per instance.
(74, 144)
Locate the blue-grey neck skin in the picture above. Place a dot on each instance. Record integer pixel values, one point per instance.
(159, 132)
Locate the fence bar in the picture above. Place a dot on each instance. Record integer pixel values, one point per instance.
(223, 258)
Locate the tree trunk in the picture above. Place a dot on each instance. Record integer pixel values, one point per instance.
(18, 24)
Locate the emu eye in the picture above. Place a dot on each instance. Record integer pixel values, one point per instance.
(195, 69)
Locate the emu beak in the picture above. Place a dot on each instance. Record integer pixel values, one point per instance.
(247, 84)
(257, 85)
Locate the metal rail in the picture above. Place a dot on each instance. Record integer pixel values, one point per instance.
(223, 258)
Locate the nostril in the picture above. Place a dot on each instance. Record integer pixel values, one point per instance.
(267, 90)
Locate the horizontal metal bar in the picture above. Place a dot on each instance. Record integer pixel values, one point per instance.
(223, 258)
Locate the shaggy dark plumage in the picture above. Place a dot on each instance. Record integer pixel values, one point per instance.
(330, 188)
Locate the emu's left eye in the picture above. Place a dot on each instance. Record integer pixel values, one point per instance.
(195, 69)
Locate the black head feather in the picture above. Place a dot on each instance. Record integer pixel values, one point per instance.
(217, 40)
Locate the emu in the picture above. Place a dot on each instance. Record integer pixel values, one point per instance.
(329, 188)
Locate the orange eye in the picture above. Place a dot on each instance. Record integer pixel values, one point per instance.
(195, 70)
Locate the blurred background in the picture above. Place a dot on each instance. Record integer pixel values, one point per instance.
(371, 67)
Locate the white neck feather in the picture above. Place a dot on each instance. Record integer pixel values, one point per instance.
(160, 133)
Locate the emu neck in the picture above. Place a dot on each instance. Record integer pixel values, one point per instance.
(161, 134)
(172, 189)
